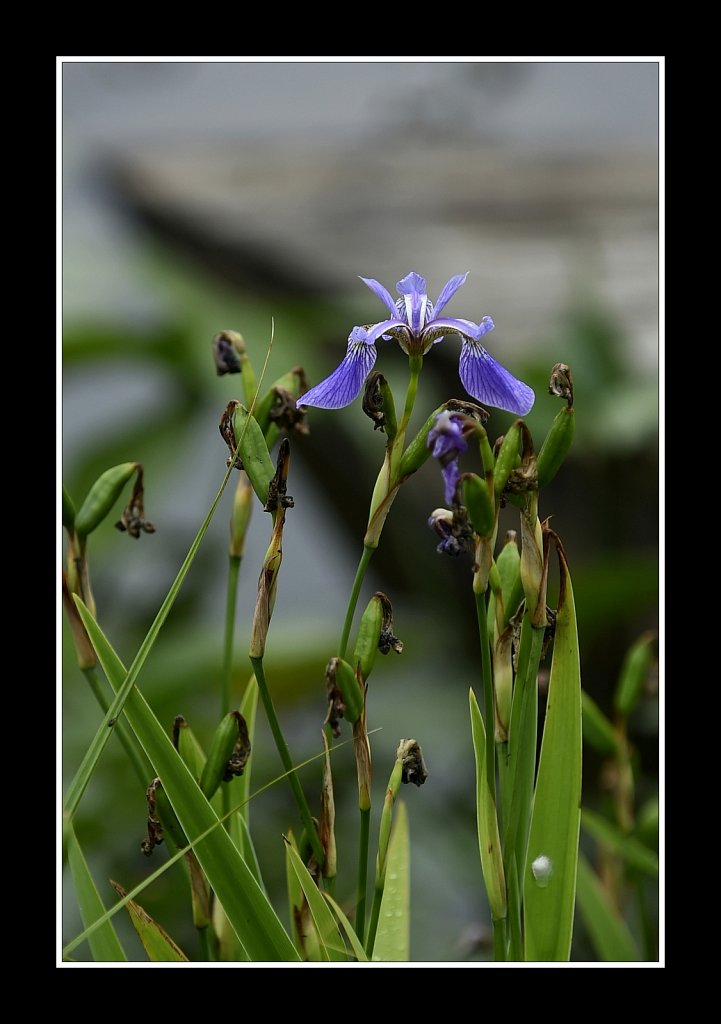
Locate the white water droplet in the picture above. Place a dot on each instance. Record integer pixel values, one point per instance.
(542, 869)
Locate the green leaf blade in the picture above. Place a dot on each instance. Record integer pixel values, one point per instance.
(550, 874)
(156, 942)
(332, 947)
(489, 840)
(609, 933)
(393, 938)
(104, 943)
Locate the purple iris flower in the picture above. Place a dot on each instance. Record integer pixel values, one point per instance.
(417, 325)
(446, 441)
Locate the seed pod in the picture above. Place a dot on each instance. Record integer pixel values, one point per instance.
(509, 570)
(503, 683)
(68, 511)
(102, 496)
(221, 751)
(187, 745)
(481, 506)
(253, 450)
(508, 457)
(556, 446)
(418, 451)
(634, 673)
(369, 633)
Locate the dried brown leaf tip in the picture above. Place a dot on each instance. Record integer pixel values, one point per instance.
(476, 412)
(241, 752)
(277, 488)
(336, 704)
(155, 829)
(413, 767)
(227, 431)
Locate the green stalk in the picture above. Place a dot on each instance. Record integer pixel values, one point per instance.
(522, 741)
(230, 607)
(287, 760)
(415, 364)
(227, 683)
(93, 753)
(207, 953)
(488, 712)
(130, 744)
(353, 600)
(360, 909)
(499, 938)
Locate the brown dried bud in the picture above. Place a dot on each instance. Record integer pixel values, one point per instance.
(227, 431)
(387, 642)
(285, 413)
(561, 383)
(277, 487)
(241, 752)
(336, 704)
(410, 755)
(133, 518)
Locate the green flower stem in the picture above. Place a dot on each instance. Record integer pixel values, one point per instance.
(360, 909)
(207, 953)
(287, 760)
(230, 607)
(227, 683)
(499, 924)
(353, 600)
(522, 739)
(415, 364)
(488, 710)
(392, 459)
(130, 744)
(499, 938)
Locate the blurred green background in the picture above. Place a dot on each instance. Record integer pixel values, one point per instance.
(204, 196)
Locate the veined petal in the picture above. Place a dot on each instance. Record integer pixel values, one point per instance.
(345, 383)
(383, 294)
(492, 384)
(378, 330)
(412, 284)
(414, 300)
(448, 290)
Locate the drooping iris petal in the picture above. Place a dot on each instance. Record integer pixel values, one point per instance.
(383, 294)
(492, 384)
(448, 290)
(345, 383)
(437, 329)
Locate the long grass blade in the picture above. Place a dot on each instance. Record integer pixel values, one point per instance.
(249, 911)
(332, 947)
(104, 943)
(609, 933)
(635, 853)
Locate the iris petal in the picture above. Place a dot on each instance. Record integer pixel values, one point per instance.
(345, 383)
(412, 284)
(383, 294)
(448, 290)
(492, 384)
